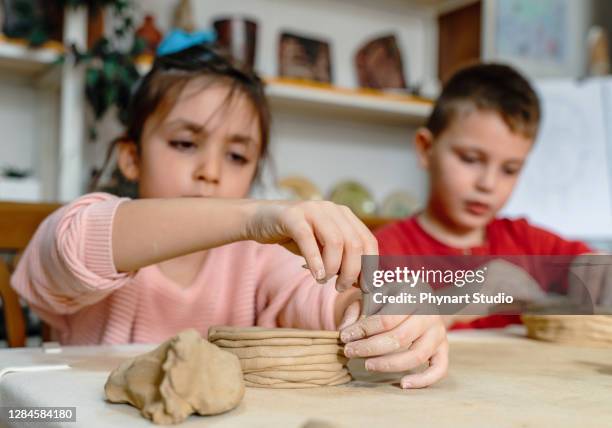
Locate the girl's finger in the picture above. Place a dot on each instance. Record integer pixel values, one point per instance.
(329, 237)
(369, 241)
(351, 256)
(438, 369)
(351, 314)
(370, 326)
(419, 353)
(400, 337)
(303, 235)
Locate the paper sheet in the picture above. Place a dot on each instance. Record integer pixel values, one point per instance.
(565, 185)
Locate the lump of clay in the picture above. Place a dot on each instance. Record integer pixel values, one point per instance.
(183, 375)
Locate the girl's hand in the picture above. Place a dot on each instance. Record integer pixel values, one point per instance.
(395, 343)
(329, 236)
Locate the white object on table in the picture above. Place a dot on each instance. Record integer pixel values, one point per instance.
(39, 368)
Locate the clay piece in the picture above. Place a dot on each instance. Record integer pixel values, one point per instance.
(249, 333)
(580, 330)
(285, 357)
(184, 375)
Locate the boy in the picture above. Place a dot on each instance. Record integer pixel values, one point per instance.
(473, 147)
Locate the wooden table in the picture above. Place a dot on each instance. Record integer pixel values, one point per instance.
(497, 378)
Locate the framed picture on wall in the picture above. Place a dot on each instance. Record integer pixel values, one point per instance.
(238, 36)
(536, 36)
(304, 58)
(379, 64)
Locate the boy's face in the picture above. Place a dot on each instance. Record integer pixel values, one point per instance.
(473, 166)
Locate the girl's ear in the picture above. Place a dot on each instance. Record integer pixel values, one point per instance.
(128, 160)
(423, 141)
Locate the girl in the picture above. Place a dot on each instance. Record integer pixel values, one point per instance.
(189, 253)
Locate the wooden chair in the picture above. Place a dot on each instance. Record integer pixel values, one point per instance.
(18, 222)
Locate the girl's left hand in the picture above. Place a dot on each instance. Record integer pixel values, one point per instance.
(395, 343)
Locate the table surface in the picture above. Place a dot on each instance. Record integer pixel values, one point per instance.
(497, 378)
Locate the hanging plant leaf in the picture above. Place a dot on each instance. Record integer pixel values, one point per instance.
(93, 133)
(128, 22)
(110, 96)
(121, 5)
(94, 95)
(138, 47)
(101, 47)
(91, 77)
(110, 72)
(110, 69)
(38, 36)
(76, 54)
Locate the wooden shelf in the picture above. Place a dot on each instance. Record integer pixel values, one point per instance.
(331, 101)
(359, 104)
(17, 57)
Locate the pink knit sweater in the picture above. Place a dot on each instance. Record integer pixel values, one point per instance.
(68, 277)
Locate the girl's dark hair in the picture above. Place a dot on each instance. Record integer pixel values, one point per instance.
(160, 88)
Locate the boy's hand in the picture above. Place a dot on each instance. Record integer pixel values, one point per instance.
(506, 277)
(502, 277)
(590, 280)
(395, 343)
(329, 236)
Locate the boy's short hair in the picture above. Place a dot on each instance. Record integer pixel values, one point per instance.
(489, 87)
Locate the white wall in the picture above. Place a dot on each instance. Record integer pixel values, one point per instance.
(29, 135)
(17, 124)
(327, 151)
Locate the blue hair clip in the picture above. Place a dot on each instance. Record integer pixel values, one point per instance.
(177, 40)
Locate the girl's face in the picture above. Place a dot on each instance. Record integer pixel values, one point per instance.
(206, 146)
(473, 167)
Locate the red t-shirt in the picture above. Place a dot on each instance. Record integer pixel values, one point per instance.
(503, 237)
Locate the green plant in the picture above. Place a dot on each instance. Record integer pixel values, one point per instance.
(110, 68)
(38, 21)
(109, 76)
